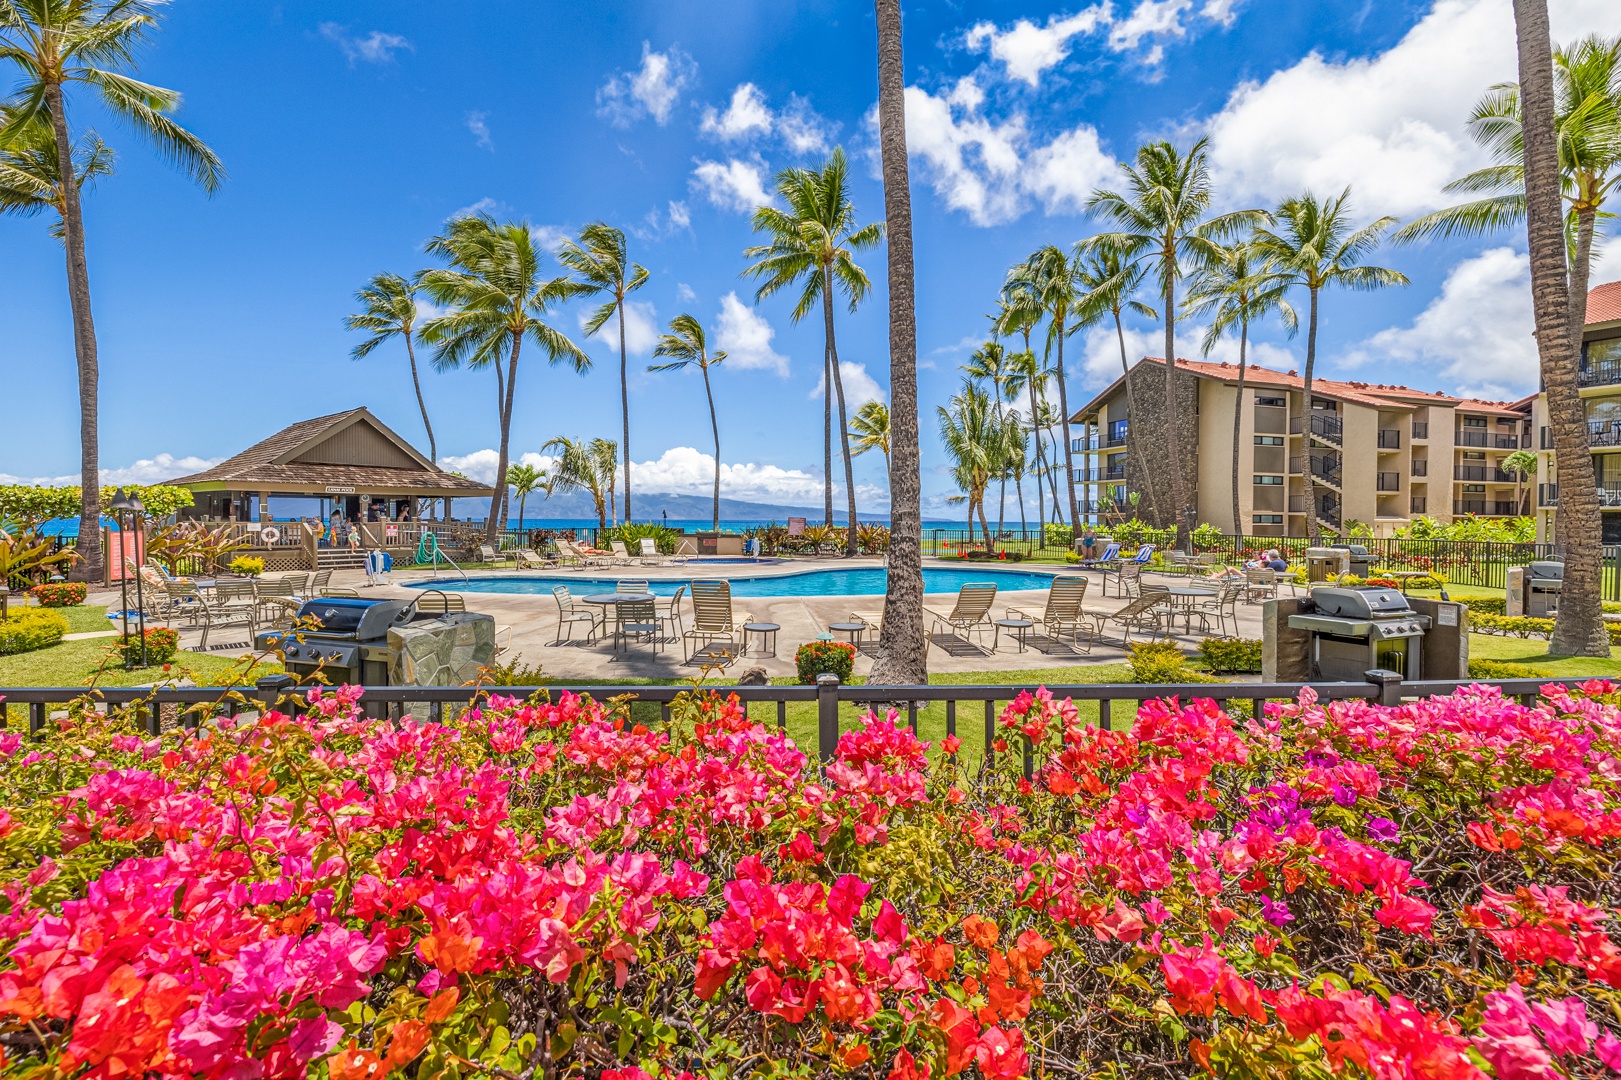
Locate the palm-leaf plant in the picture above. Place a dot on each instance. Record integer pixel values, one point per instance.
(685, 344)
(389, 310)
(524, 480)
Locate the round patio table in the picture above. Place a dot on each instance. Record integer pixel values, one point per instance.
(854, 629)
(614, 599)
(1183, 597)
(1019, 628)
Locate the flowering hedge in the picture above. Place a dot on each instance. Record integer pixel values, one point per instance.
(539, 890)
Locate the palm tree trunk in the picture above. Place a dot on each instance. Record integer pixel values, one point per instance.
(1238, 420)
(624, 404)
(714, 427)
(844, 426)
(433, 448)
(498, 504)
(1580, 269)
(1173, 442)
(984, 526)
(1133, 416)
(1018, 486)
(1579, 627)
(1305, 425)
(1063, 417)
(1052, 480)
(498, 499)
(88, 568)
(902, 647)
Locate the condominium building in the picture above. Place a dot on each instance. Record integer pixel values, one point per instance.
(1379, 454)
(1600, 382)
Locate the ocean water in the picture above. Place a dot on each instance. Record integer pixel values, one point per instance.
(855, 582)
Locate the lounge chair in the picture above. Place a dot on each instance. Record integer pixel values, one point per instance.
(434, 602)
(619, 553)
(686, 548)
(650, 553)
(1063, 614)
(971, 613)
(1260, 583)
(1151, 608)
(528, 559)
(714, 620)
(1110, 556)
(488, 554)
(874, 620)
(570, 616)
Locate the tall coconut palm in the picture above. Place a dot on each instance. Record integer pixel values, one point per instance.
(973, 440)
(524, 479)
(497, 298)
(1236, 287)
(389, 310)
(601, 262)
(1160, 218)
(813, 245)
(1579, 627)
(585, 466)
(1046, 282)
(55, 45)
(1313, 246)
(1045, 422)
(902, 648)
(1110, 284)
(1026, 374)
(871, 429)
(1520, 465)
(991, 362)
(30, 172)
(685, 343)
(1587, 133)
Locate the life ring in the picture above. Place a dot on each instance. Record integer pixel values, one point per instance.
(270, 534)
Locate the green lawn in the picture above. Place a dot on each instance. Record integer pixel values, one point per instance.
(87, 618)
(1534, 652)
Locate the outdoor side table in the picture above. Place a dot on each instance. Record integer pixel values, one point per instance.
(854, 629)
(1020, 628)
(767, 632)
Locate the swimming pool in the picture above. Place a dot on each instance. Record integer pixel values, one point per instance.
(854, 582)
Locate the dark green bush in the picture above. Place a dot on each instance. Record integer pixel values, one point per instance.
(1500, 669)
(162, 644)
(60, 593)
(832, 657)
(1231, 654)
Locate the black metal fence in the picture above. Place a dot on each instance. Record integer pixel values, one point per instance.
(189, 707)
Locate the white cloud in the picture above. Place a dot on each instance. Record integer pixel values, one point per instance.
(746, 336)
(684, 470)
(1027, 50)
(480, 130)
(1151, 18)
(1093, 361)
(736, 185)
(1222, 12)
(684, 293)
(153, 470)
(989, 170)
(651, 90)
(803, 130)
(376, 47)
(859, 387)
(550, 237)
(1392, 125)
(486, 205)
(641, 329)
(480, 464)
(680, 216)
(748, 114)
(1477, 332)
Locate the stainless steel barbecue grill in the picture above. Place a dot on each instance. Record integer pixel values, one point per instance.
(1544, 582)
(344, 637)
(1356, 630)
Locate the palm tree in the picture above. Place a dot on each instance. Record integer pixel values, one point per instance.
(1162, 219)
(1237, 288)
(1111, 284)
(1026, 373)
(1579, 627)
(1045, 421)
(30, 176)
(685, 342)
(1520, 464)
(524, 479)
(599, 258)
(498, 298)
(871, 428)
(973, 440)
(390, 310)
(1046, 282)
(991, 361)
(585, 466)
(812, 246)
(1313, 246)
(902, 648)
(55, 43)
(1587, 131)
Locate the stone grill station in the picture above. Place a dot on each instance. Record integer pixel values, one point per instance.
(383, 643)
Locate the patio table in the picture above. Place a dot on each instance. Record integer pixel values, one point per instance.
(1183, 597)
(614, 599)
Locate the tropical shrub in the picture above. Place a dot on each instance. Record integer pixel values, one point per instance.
(25, 557)
(665, 539)
(27, 629)
(1058, 535)
(248, 565)
(513, 673)
(162, 645)
(60, 593)
(32, 505)
(1231, 654)
(823, 657)
(1518, 530)
(1309, 894)
(1208, 537)
(872, 539)
(1072, 557)
(1134, 533)
(1159, 662)
(1499, 669)
(1485, 605)
(1526, 626)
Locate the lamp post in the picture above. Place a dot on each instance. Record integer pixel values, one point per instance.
(131, 503)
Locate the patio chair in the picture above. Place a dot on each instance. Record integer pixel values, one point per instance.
(488, 554)
(971, 613)
(1261, 583)
(528, 559)
(233, 604)
(434, 602)
(570, 616)
(670, 613)
(631, 585)
(1063, 614)
(1179, 562)
(319, 582)
(1223, 605)
(686, 548)
(620, 553)
(638, 618)
(713, 618)
(874, 620)
(278, 601)
(1152, 608)
(1110, 556)
(650, 553)
(349, 593)
(1127, 577)
(566, 555)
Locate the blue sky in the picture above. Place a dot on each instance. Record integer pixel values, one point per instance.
(351, 132)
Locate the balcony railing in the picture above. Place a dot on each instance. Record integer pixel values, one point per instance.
(1387, 481)
(1469, 437)
(1547, 494)
(1481, 474)
(1421, 429)
(1604, 433)
(1095, 476)
(1389, 439)
(1485, 507)
(1328, 507)
(1328, 426)
(1599, 373)
(1421, 467)
(1417, 504)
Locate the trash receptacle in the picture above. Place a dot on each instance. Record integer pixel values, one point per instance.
(1327, 563)
(1361, 559)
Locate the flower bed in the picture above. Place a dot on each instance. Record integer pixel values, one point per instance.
(546, 890)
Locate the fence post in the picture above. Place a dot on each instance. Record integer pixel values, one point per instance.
(271, 689)
(827, 715)
(1389, 684)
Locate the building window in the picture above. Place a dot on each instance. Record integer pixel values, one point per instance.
(1324, 404)
(1474, 455)
(1269, 481)
(1268, 519)
(1273, 402)
(1269, 440)
(1474, 489)
(1474, 421)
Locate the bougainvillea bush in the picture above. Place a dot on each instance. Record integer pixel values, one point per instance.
(543, 890)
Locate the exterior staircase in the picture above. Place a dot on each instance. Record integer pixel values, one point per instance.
(1328, 433)
(340, 559)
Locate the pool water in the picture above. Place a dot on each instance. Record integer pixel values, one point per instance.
(854, 582)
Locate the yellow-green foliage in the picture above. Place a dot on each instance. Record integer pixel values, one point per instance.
(31, 628)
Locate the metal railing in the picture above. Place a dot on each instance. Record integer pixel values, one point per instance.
(1421, 467)
(1599, 373)
(1417, 504)
(1389, 439)
(1328, 427)
(1421, 429)
(1604, 433)
(190, 707)
(1481, 474)
(1387, 481)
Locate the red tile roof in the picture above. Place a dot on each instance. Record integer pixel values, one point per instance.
(1604, 303)
(1376, 395)
(1496, 408)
